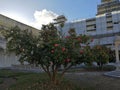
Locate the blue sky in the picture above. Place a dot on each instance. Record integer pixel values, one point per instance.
(27, 11)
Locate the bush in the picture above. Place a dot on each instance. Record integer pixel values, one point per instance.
(104, 68)
(1, 80)
(101, 55)
(109, 68)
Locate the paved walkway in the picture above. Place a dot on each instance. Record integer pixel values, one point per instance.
(94, 80)
(113, 74)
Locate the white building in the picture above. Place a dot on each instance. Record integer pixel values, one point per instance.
(103, 27)
(6, 60)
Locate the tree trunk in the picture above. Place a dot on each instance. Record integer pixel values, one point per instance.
(62, 74)
(54, 77)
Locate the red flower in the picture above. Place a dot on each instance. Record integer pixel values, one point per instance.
(67, 37)
(63, 49)
(67, 60)
(56, 45)
(52, 51)
(81, 51)
(79, 39)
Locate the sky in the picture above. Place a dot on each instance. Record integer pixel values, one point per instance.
(38, 12)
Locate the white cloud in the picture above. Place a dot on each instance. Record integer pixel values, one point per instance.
(43, 17)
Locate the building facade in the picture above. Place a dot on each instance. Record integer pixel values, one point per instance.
(103, 27)
(108, 6)
(6, 60)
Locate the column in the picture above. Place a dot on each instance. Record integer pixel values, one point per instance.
(117, 56)
(117, 52)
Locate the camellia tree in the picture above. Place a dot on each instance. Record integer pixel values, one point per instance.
(49, 50)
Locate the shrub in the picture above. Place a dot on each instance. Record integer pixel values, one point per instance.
(101, 55)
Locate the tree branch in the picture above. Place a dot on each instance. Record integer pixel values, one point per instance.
(46, 70)
(62, 74)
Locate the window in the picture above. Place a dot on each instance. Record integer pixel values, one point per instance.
(116, 22)
(110, 28)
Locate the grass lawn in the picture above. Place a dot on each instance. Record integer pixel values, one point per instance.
(81, 80)
(8, 73)
(34, 81)
(1, 80)
(39, 82)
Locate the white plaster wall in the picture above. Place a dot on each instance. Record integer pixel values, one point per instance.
(6, 60)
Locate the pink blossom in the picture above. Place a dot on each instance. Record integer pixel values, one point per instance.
(92, 40)
(56, 45)
(67, 37)
(52, 51)
(63, 49)
(81, 51)
(67, 60)
(79, 39)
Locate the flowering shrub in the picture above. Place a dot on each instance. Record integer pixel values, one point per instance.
(50, 50)
(101, 54)
(89, 56)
